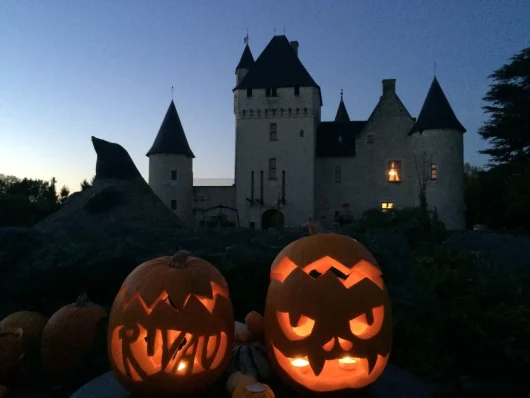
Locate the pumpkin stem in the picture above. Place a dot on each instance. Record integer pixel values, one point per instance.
(314, 227)
(82, 300)
(179, 259)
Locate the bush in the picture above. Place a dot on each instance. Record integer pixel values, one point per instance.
(408, 222)
(477, 329)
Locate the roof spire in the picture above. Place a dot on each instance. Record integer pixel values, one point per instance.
(436, 112)
(342, 114)
(172, 93)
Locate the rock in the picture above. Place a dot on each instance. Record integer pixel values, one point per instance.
(393, 383)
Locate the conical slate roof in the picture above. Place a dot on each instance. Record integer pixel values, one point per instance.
(342, 114)
(277, 66)
(247, 60)
(436, 112)
(171, 138)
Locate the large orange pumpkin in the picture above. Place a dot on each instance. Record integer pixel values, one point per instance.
(171, 327)
(327, 315)
(69, 337)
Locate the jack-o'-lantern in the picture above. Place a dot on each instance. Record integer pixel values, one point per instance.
(171, 327)
(327, 315)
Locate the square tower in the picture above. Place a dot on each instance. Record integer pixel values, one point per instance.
(277, 105)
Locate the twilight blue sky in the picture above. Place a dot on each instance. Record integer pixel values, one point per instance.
(73, 69)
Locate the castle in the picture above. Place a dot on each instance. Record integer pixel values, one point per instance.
(290, 166)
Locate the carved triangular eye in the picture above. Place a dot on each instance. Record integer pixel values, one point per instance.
(339, 274)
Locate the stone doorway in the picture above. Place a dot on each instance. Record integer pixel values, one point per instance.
(272, 218)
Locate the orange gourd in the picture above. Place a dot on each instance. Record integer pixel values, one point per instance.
(69, 338)
(171, 327)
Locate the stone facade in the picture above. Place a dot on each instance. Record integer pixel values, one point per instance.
(281, 180)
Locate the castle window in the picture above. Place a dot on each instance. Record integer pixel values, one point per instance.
(297, 111)
(305, 111)
(273, 132)
(173, 204)
(274, 93)
(249, 92)
(259, 112)
(338, 174)
(386, 205)
(290, 111)
(434, 171)
(266, 112)
(272, 168)
(251, 112)
(394, 171)
(297, 90)
(244, 113)
(273, 112)
(281, 112)
(301, 133)
(173, 175)
(370, 138)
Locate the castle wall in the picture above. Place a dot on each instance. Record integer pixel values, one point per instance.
(206, 197)
(294, 152)
(179, 190)
(445, 148)
(364, 177)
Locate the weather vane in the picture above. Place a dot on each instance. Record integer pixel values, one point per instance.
(172, 93)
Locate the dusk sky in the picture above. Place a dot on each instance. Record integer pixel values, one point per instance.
(73, 69)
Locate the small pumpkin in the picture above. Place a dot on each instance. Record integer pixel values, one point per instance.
(327, 314)
(13, 355)
(69, 338)
(253, 390)
(171, 327)
(250, 359)
(241, 333)
(32, 324)
(237, 378)
(255, 324)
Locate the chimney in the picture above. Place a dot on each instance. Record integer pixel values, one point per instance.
(295, 45)
(389, 86)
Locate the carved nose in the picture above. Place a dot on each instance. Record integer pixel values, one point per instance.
(329, 345)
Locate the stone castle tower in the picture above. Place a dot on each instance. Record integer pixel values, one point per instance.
(171, 166)
(277, 107)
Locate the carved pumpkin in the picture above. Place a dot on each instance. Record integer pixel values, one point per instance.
(171, 327)
(69, 338)
(32, 323)
(13, 356)
(253, 390)
(327, 315)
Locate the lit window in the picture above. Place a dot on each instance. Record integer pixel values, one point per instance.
(272, 168)
(394, 171)
(434, 171)
(173, 204)
(173, 175)
(386, 205)
(338, 174)
(273, 132)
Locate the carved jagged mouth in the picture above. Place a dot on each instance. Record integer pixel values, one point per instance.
(337, 374)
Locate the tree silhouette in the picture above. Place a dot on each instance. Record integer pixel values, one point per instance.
(508, 129)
